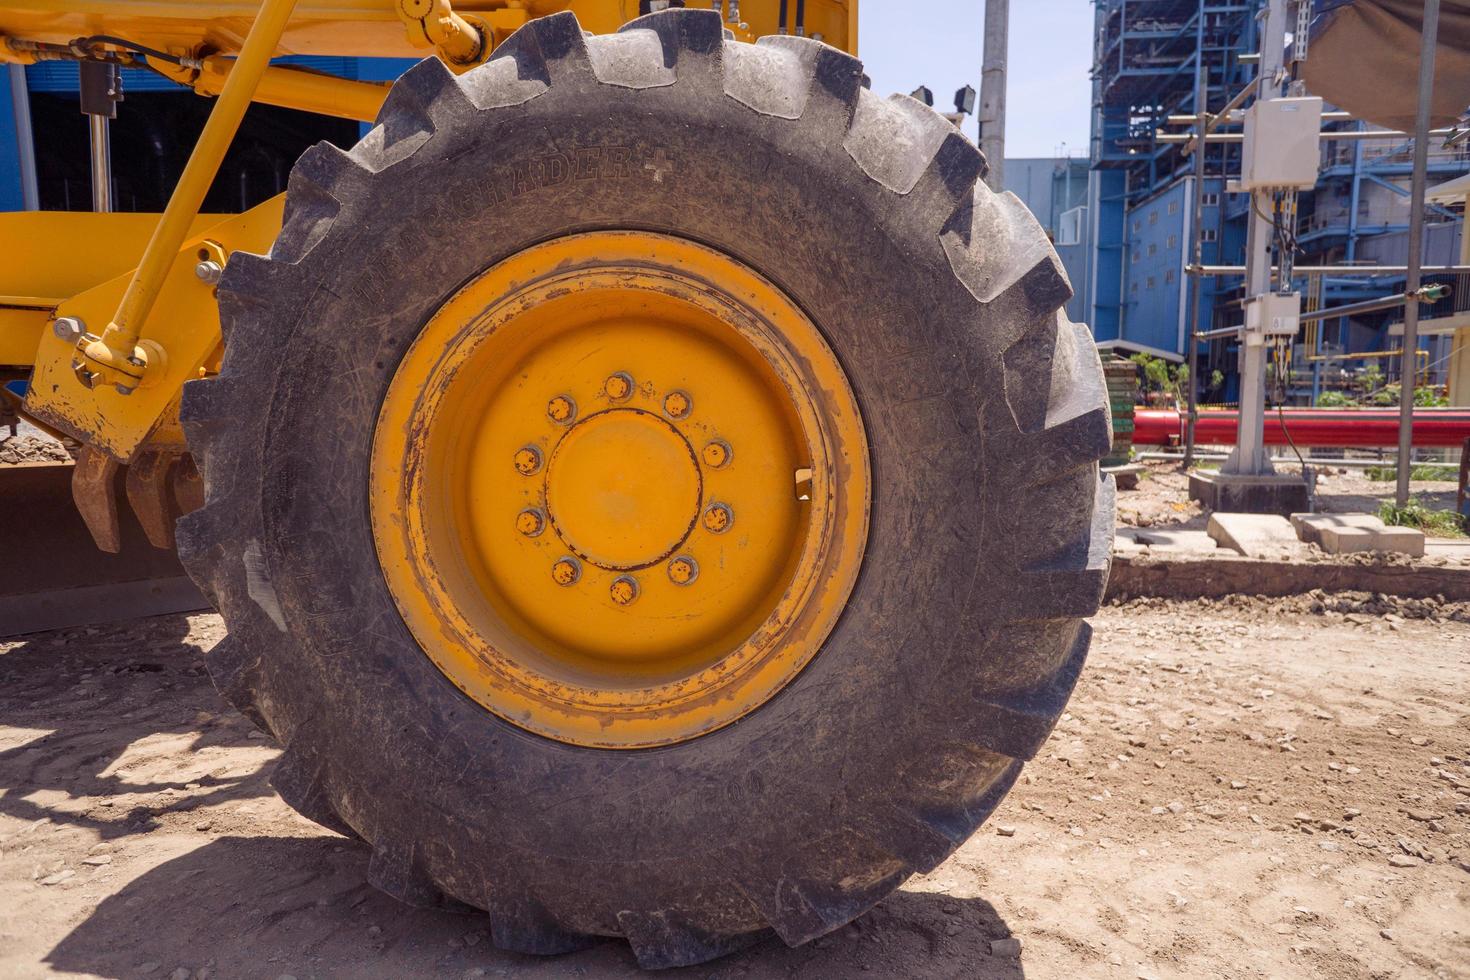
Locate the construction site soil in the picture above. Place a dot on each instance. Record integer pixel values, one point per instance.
(1240, 789)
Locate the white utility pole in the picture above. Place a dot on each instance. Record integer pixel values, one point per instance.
(1249, 455)
(1280, 156)
(992, 115)
(1409, 361)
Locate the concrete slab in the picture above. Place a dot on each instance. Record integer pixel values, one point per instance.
(1406, 540)
(1344, 540)
(1255, 535)
(1453, 549)
(1125, 476)
(1189, 542)
(1125, 545)
(1309, 526)
(1340, 534)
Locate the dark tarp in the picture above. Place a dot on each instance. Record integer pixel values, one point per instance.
(1364, 57)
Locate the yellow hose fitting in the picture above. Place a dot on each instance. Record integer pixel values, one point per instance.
(457, 39)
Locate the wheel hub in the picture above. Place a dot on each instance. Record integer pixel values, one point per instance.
(619, 490)
(623, 489)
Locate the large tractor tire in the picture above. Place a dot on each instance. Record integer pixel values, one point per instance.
(651, 489)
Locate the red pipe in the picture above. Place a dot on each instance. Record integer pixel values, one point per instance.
(1308, 427)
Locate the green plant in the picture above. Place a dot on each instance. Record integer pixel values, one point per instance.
(1334, 399)
(1424, 471)
(1428, 396)
(1444, 523)
(1372, 379)
(1160, 376)
(1385, 397)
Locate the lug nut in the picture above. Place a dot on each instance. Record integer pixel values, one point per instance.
(718, 518)
(528, 460)
(561, 409)
(209, 272)
(566, 571)
(618, 386)
(624, 590)
(69, 328)
(530, 522)
(716, 454)
(683, 570)
(678, 404)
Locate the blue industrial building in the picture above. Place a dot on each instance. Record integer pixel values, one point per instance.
(1150, 61)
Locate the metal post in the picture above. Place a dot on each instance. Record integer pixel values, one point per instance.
(1249, 456)
(1197, 285)
(100, 92)
(1429, 40)
(21, 108)
(101, 164)
(992, 116)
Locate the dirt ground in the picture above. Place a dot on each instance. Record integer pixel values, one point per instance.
(1240, 790)
(1161, 498)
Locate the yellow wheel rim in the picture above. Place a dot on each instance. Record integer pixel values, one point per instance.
(620, 489)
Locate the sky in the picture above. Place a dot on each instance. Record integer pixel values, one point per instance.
(939, 43)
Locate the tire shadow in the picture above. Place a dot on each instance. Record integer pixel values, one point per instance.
(89, 715)
(276, 906)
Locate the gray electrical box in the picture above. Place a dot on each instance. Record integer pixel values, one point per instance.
(1274, 314)
(1282, 144)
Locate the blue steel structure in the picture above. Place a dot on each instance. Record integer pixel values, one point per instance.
(1359, 214)
(1151, 56)
(17, 176)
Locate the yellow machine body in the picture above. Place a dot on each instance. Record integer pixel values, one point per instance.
(111, 312)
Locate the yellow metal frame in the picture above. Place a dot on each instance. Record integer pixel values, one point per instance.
(368, 28)
(53, 256)
(663, 575)
(116, 357)
(185, 323)
(116, 385)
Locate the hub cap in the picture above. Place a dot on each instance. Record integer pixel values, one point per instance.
(623, 488)
(620, 489)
